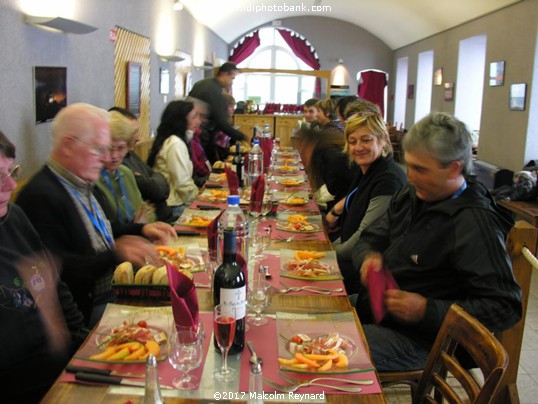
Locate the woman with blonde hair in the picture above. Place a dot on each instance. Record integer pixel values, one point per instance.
(380, 177)
(122, 199)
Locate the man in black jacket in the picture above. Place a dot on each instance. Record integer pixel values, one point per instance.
(443, 240)
(218, 119)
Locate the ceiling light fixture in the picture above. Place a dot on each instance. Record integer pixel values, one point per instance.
(178, 5)
(171, 58)
(61, 24)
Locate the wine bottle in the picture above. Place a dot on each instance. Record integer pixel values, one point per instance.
(237, 162)
(230, 290)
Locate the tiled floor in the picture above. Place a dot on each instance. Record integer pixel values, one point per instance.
(527, 380)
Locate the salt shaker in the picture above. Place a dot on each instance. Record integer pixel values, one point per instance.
(152, 395)
(255, 384)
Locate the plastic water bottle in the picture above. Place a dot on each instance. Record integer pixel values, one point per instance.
(255, 162)
(234, 218)
(267, 131)
(274, 150)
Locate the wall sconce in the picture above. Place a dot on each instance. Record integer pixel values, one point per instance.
(340, 61)
(178, 5)
(61, 24)
(171, 58)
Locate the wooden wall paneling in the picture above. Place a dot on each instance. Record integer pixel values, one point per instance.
(133, 47)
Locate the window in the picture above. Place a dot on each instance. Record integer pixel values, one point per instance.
(424, 85)
(400, 96)
(273, 53)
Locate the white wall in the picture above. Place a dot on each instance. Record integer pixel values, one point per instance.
(89, 60)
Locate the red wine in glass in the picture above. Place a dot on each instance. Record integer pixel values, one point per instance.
(224, 331)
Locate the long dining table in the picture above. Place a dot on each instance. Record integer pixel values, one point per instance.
(297, 303)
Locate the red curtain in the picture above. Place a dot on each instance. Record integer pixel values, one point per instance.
(303, 51)
(372, 88)
(245, 49)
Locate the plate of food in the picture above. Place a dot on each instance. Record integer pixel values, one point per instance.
(214, 195)
(185, 258)
(127, 336)
(217, 177)
(309, 265)
(320, 343)
(297, 223)
(287, 168)
(294, 181)
(292, 198)
(197, 218)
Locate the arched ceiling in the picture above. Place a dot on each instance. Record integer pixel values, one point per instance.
(396, 22)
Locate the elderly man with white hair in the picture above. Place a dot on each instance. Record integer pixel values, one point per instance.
(61, 202)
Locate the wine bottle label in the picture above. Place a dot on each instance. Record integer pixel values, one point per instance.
(234, 302)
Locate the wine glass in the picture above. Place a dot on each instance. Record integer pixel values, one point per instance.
(267, 205)
(260, 240)
(224, 331)
(255, 211)
(210, 263)
(185, 354)
(258, 299)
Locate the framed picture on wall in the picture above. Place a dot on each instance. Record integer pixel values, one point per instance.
(50, 92)
(449, 92)
(164, 81)
(518, 96)
(496, 73)
(134, 82)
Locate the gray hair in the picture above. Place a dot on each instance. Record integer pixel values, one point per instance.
(76, 120)
(444, 137)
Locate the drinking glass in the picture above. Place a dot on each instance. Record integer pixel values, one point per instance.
(224, 331)
(260, 239)
(267, 205)
(210, 263)
(185, 354)
(258, 299)
(255, 210)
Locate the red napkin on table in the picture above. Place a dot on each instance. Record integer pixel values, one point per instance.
(183, 298)
(378, 282)
(256, 195)
(233, 181)
(266, 144)
(213, 234)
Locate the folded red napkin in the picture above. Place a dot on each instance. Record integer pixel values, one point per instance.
(183, 298)
(213, 234)
(256, 194)
(378, 282)
(266, 144)
(233, 181)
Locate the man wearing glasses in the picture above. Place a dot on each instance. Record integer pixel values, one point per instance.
(63, 205)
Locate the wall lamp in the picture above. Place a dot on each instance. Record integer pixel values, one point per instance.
(178, 5)
(61, 24)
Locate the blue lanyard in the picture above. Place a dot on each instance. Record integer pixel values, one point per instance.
(460, 190)
(98, 222)
(129, 211)
(348, 198)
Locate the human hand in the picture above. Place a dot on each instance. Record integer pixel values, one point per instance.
(405, 306)
(158, 232)
(136, 250)
(372, 262)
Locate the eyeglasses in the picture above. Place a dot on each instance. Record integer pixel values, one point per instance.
(94, 149)
(13, 172)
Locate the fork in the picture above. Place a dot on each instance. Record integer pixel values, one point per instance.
(294, 387)
(310, 288)
(366, 382)
(290, 289)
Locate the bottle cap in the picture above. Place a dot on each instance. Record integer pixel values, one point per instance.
(256, 141)
(233, 199)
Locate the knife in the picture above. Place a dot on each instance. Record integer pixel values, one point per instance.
(187, 233)
(91, 377)
(206, 207)
(103, 372)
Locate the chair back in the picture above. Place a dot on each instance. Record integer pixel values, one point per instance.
(461, 330)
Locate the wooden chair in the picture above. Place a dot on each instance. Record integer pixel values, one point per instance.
(461, 330)
(522, 235)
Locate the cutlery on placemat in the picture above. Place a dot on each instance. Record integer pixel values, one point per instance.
(91, 377)
(207, 207)
(365, 382)
(103, 372)
(187, 233)
(254, 358)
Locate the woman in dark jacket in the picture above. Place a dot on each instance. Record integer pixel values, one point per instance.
(368, 145)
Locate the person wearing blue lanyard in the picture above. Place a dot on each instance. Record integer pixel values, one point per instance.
(117, 182)
(62, 203)
(443, 240)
